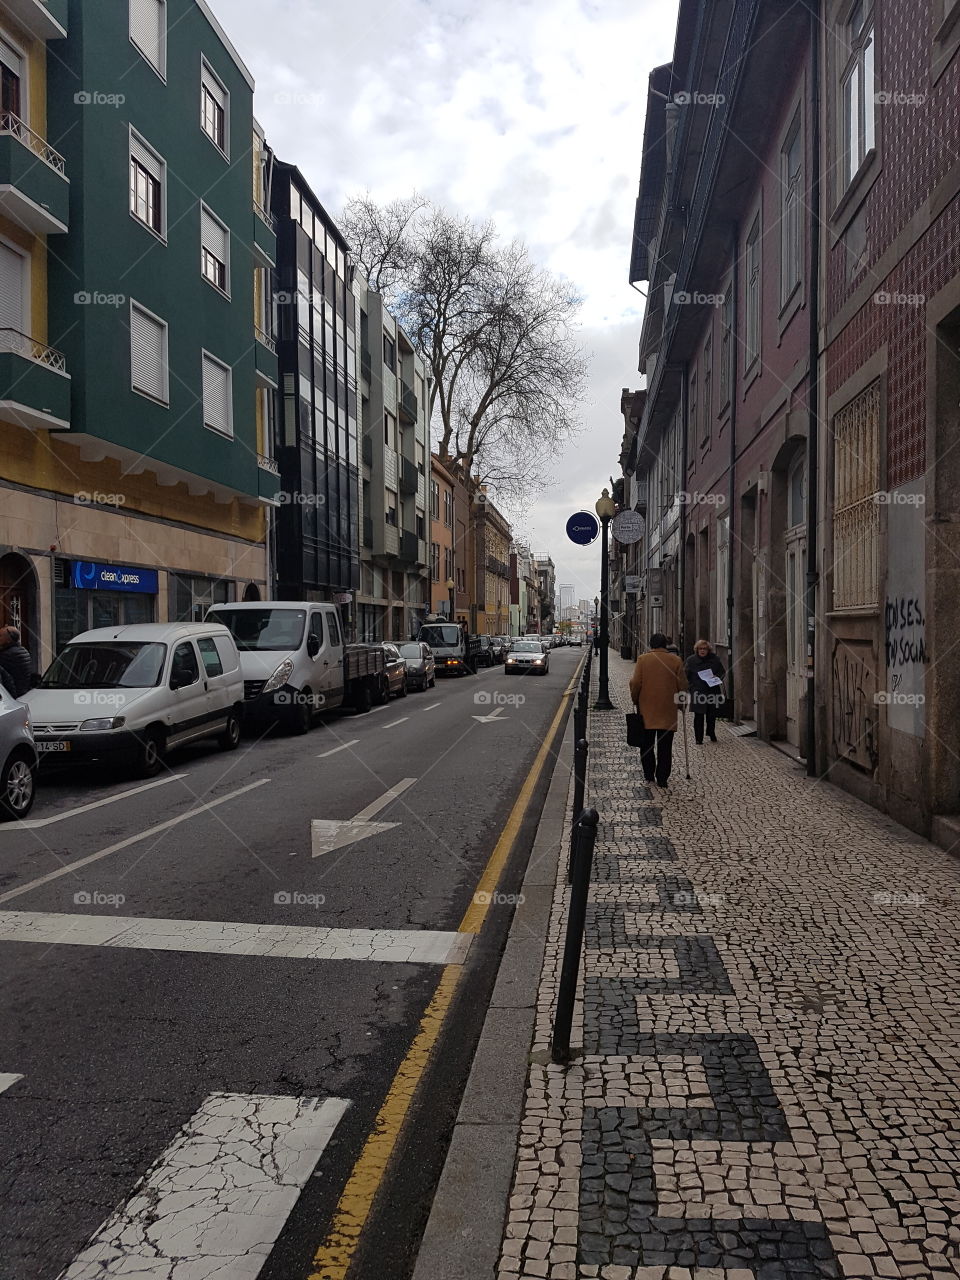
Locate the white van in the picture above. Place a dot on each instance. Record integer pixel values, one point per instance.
(130, 694)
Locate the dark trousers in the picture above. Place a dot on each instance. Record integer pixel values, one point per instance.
(656, 754)
(710, 715)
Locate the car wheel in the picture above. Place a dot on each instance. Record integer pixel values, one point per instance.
(301, 719)
(150, 753)
(18, 786)
(402, 691)
(433, 682)
(363, 697)
(229, 740)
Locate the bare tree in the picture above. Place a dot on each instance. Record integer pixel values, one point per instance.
(496, 330)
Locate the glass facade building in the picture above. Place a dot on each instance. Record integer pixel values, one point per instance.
(316, 438)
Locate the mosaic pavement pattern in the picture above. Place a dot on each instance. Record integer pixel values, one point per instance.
(767, 1079)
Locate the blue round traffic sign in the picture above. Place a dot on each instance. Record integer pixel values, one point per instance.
(583, 527)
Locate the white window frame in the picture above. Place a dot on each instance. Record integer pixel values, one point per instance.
(19, 51)
(207, 74)
(140, 141)
(206, 210)
(854, 79)
(752, 314)
(160, 70)
(791, 213)
(165, 355)
(226, 432)
(723, 573)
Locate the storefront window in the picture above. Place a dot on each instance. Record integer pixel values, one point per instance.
(79, 611)
(190, 598)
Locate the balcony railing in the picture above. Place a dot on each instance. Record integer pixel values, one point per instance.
(264, 337)
(13, 125)
(267, 464)
(408, 403)
(262, 213)
(21, 344)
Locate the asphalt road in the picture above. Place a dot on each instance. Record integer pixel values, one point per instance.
(132, 1016)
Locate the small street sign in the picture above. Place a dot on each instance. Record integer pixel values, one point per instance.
(627, 527)
(583, 528)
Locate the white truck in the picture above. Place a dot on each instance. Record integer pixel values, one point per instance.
(454, 652)
(295, 662)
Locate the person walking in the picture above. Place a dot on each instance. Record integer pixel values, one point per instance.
(657, 679)
(15, 662)
(705, 674)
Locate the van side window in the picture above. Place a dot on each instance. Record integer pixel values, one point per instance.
(334, 629)
(211, 659)
(316, 626)
(184, 669)
(228, 653)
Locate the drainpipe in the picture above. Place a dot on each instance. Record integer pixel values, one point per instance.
(732, 481)
(682, 553)
(813, 395)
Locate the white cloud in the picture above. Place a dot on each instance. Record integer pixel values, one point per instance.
(526, 111)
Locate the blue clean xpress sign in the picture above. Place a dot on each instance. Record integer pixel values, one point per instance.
(89, 576)
(583, 527)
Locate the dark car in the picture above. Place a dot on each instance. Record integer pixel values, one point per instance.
(487, 656)
(421, 666)
(499, 648)
(396, 672)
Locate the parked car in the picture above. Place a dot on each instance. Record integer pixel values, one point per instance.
(506, 642)
(487, 656)
(454, 652)
(499, 651)
(18, 759)
(396, 669)
(131, 694)
(421, 666)
(527, 656)
(295, 664)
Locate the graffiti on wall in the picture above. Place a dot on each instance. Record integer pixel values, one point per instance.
(904, 614)
(854, 705)
(903, 629)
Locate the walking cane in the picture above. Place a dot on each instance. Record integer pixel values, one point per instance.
(686, 749)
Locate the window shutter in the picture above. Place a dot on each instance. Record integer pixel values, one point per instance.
(148, 354)
(147, 158)
(214, 88)
(214, 236)
(11, 289)
(148, 22)
(11, 59)
(216, 396)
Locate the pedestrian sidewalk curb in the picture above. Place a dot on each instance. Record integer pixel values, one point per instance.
(464, 1232)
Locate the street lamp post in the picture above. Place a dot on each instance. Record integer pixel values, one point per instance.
(451, 587)
(606, 509)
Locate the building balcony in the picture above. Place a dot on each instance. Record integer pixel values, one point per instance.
(34, 383)
(268, 481)
(367, 450)
(264, 236)
(408, 551)
(409, 477)
(42, 21)
(366, 365)
(408, 404)
(34, 190)
(265, 357)
(368, 532)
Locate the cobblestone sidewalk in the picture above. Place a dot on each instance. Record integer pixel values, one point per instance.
(770, 1023)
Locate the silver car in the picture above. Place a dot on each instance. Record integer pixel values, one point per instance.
(18, 759)
(527, 656)
(421, 667)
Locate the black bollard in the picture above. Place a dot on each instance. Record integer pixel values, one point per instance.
(580, 754)
(576, 918)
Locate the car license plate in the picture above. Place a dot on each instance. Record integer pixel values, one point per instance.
(43, 747)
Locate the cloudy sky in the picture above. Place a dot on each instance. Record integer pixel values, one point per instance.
(526, 111)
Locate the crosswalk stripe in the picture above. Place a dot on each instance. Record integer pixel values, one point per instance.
(218, 1197)
(7, 1078)
(236, 938)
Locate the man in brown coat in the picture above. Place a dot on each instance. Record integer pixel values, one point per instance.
(657, 679)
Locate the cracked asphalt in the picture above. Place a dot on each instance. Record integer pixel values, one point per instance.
(121, 1043)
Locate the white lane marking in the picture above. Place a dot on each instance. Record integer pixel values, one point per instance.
(333, 750)
(431, 706)
(216, 1200)
(7, 1079)
(124, 844)
(30, 824)
(235, 938)
(394, 723)
(328, 834)
(494, 715)
(388, 797)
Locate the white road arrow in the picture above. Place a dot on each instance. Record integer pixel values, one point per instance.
(494, 715)
(328, 834)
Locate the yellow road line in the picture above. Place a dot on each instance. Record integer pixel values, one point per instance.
(333, 1258)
